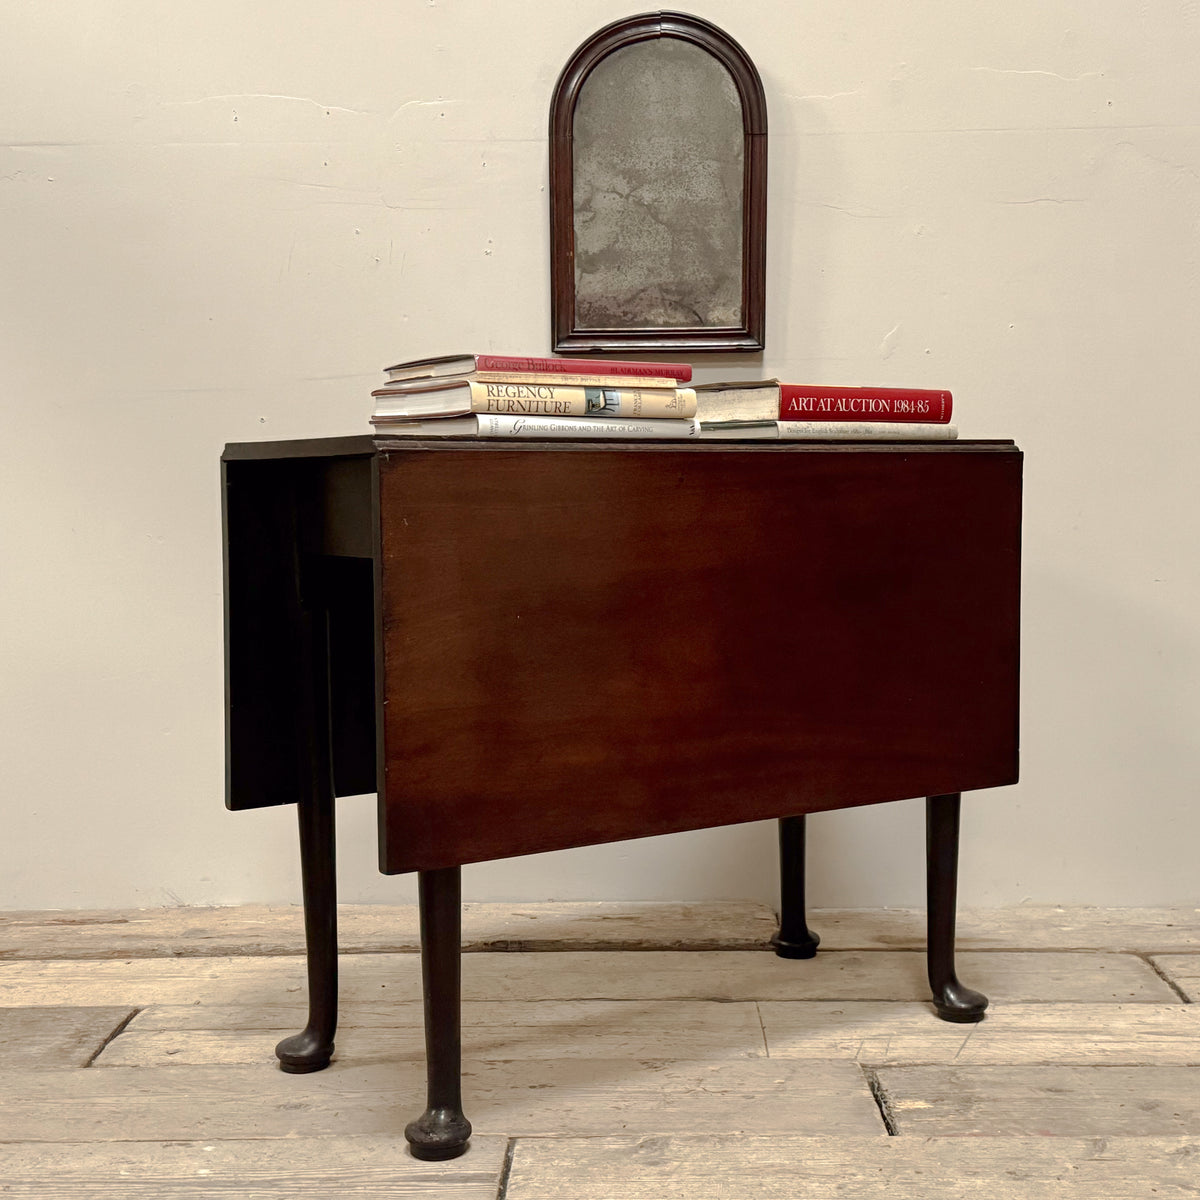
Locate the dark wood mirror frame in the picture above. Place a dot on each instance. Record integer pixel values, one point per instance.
(746, 335)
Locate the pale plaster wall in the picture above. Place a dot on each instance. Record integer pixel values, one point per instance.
(218, 221)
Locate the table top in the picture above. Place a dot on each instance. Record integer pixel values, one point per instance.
(367, 444)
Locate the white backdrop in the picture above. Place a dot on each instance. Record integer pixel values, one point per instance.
(217, 222)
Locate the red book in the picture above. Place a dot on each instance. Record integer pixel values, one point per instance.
(800, 402)
(463, 364)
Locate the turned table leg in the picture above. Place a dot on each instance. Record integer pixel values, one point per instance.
(441, 1131)
(952, 1000)
(794, 939)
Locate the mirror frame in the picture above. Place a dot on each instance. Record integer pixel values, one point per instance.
(567, 336)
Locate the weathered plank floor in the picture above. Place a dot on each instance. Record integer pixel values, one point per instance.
(618, 1051)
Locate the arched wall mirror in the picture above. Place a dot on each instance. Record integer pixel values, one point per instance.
(658, 174)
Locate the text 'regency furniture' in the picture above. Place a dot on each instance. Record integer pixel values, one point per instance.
(525, 646)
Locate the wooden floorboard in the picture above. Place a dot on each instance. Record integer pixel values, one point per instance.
(1027, 927)
(1183, 970)
(333, 1168)
(1053, 1100)
(887, 1033)
(579, 925)
(807, 1168)
(262, 929)
(1041, 976)
(869, 1032)
(179, 1035)
(579, 1097)
(59, 1036)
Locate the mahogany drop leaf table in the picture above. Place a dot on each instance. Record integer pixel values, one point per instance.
(525, 646)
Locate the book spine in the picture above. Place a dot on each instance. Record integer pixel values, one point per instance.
(585, 428)
(405, 383)
(564, 400)
(798, 402)
(617, 381)
(582, 366)
(867, 431)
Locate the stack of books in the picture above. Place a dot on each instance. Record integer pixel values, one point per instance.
(767, 408)
(499, 395)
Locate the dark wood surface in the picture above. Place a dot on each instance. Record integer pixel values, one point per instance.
(583, 644)
(298, 548)
(586, 644)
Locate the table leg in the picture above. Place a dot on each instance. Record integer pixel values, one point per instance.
(441, 1131)
(794, 939)
(951, 999)
(312, 1048)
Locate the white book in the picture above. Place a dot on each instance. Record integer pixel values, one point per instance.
(740, 430)
(732, 400)
(867, 431)
(583, 428)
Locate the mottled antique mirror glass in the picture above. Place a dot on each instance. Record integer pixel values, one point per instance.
(658, 190)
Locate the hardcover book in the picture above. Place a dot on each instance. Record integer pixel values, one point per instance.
(770, 400)
(456, 397)
(866, 431)
(582, 428)
(465, 364)
(831, 431)
(803, 402)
